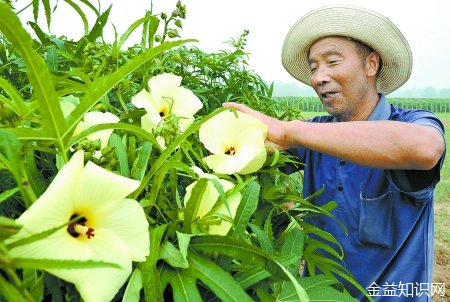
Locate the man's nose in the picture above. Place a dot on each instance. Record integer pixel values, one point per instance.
(320, 76)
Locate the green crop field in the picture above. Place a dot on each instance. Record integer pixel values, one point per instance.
(313, 104)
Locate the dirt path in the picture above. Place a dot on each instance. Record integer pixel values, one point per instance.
(442, 258)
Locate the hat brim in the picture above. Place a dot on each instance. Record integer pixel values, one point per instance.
(369, 27)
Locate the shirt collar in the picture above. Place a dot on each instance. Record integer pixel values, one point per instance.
(382, 110)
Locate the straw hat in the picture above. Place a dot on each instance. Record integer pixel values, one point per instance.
(367, 26)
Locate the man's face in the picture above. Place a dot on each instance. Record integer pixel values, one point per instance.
(339, 77)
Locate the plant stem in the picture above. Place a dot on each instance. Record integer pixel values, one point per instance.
(27, 6)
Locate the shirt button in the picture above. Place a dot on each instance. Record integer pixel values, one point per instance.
(340, 187)
(342, 162)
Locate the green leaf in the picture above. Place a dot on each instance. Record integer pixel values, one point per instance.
(92, 7)
(150, 274)
(264, 242)
(129, 31)
(161, 175)
(8, 227)
(237, 249)
(42, 36)
(96, 31)
(7, 194)
(308, 228)
(246, 208)
(172, 255)
(193, 204)
(318, 288)
(15, 102)
(316, 281)
(35, 283)
(133, 290)
(121, 154)
(256, 274)
(10, 292)
(35, 9)
(220, 282)
(31, 134)
(183, 243)
(11, 156)
(38, 74)
(52, 58)
(48, 12)
(317, 244)
(293, 245)
(184, 287)
(44, 264)
(141, 162)
(152, 28)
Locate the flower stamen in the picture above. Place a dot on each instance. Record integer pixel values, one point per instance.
(230, 151)
(79, 227)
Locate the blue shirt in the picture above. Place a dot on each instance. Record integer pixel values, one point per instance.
(388, 214)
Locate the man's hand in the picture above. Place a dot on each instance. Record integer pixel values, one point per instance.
(276, 136)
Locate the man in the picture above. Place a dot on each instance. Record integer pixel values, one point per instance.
(379, 163)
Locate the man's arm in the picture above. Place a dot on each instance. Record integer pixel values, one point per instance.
(381, 144)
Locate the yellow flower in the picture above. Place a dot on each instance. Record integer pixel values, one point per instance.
(111, 228)
(209, 199)
(166, 97)
(236, 143)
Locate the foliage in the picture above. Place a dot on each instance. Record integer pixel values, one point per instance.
(438, 105)
(261, 256)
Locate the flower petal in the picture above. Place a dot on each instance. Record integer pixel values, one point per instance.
(227, 164)
(143, 99)
(150, 121)
(55, 206)
(102, 284)
(258, 160)
(186, 103)
(224, 124)
(96, 118)
(228, 209)
(128, 221)
(164, 86)
(99, 188)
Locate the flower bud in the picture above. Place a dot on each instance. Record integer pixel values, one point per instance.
(173, 33)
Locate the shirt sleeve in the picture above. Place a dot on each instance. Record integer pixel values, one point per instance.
(418, 182)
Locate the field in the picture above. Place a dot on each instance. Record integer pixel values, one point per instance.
(442, 214)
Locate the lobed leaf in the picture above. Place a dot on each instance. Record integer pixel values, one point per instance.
(220, 282)
(246, 208)
(184, 286)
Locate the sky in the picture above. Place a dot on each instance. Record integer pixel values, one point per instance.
(425, 24)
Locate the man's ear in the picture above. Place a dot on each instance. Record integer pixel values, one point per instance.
(372, 63)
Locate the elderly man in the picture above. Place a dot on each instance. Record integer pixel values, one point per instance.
(379, 163)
